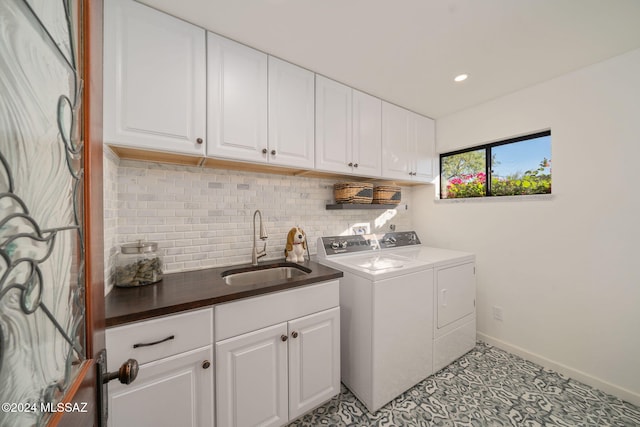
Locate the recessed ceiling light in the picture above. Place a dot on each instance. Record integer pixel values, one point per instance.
(461, 78)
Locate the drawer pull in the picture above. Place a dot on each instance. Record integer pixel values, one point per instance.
(148, 344)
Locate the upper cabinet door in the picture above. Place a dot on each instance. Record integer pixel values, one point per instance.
(367, 134)
(408, 144)
(237, 100)
(333, 126)
(154, 80)
(425, 149)
(291, 115)
(397, 131)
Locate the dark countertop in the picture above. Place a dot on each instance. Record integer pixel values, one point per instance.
(193, 289)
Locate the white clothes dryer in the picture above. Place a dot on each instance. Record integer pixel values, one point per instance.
(454, 286)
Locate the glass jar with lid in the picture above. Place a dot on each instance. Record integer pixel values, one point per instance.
(138, 264)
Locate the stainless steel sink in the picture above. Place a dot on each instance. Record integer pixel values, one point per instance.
(264, 274)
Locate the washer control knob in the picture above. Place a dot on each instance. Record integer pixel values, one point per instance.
(343, 244)
(335, 245)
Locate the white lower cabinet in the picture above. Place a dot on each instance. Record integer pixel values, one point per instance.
(174, 391)
(314, 360)
(277, 356)
(174, 386)
(272, 375)
(251, 378)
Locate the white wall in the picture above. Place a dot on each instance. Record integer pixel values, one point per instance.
(565, 269)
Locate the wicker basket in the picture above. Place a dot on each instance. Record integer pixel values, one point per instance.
(387, 195)
(353, 192)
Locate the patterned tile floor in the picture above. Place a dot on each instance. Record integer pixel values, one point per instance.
(486, 387)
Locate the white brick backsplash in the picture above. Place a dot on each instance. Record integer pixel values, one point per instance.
(110, 204)
(202, 218)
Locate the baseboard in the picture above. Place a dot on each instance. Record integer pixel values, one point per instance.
(622, 393)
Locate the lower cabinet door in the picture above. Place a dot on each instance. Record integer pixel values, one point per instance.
(251, 378)
(314, 360)
(174, 391)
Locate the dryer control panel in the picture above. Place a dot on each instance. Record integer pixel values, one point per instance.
(335, 245)
(399, 239)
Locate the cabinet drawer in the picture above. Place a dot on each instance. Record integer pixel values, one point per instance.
(158, 338)
(251, 314)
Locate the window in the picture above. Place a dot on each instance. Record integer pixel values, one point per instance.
(514, 167)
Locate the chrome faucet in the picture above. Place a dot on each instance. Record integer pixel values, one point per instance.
(255, 255)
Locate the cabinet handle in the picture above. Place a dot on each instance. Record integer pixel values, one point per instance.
(206, 364)
(283, 338)
(199, 141)
(264, 151)
(350, 164)
(273, 152)
(294, 334)
(148, 344)
(355, 165)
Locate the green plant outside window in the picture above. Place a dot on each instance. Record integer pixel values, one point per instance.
(514, 167)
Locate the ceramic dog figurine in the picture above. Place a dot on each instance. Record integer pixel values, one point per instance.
(296, 245)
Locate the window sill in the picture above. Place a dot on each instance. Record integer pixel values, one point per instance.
(492, 199)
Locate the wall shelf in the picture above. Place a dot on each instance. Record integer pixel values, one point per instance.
(340, 206)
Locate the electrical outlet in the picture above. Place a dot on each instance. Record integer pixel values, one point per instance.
(361, 228)
(497, 313)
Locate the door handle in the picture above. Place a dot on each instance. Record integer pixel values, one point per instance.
(444, 297)
(127, 373)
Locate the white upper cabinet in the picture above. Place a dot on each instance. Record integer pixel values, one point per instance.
(237, 100)
(396, 131)
(333, 125)
(291, 115)
(172, 87)
(348, 129)
(408, 145)
(425, 149)
(367, 134)
(154, 80)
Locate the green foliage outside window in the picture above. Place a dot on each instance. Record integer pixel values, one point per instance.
(464, 174)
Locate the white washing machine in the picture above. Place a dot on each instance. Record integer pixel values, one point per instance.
(389, 318)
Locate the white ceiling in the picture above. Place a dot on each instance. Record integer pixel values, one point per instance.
(408, 51)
